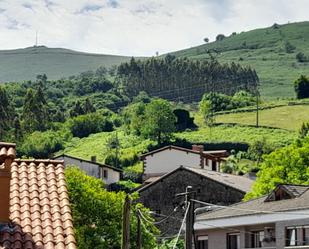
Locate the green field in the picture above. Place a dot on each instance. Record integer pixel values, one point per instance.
(226, 133)
(264, 50)
(286, 117)
(25, 64)
(95, 145)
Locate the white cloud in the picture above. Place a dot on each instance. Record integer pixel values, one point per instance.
(136, 27)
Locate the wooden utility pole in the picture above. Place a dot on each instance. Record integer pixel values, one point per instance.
(189, 218)
(139, 231)
(257, 108)
(125, 241)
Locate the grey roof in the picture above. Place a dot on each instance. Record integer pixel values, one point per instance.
(88, 161)
(238, 182)
(260, 205)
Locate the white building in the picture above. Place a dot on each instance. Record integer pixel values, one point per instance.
(105, 172)
(169, 158)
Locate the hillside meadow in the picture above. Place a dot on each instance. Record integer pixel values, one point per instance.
(264, 50)
(285, 117)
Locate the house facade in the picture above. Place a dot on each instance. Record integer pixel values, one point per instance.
(105, 172)
(277, 221)
(34, 203)
(214, 187)
(168, 158)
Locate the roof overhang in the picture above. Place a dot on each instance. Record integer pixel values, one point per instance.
(248, 220)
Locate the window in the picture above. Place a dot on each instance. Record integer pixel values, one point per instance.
(306, 235)
(202, 242)
(291, 237)
(105, 173)
(257, 238)
(214, 165)
(233, 241)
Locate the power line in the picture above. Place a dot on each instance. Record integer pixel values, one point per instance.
(182, 224)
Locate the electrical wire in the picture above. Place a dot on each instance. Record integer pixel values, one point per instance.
(182, 223)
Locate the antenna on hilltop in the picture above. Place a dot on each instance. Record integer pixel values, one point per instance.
(36, 39)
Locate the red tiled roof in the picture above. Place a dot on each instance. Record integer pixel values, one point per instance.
(40, 211)
(7, 150)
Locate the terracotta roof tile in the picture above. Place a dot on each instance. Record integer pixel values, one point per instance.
(39, 205)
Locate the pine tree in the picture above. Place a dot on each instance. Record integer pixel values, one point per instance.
(6, 113)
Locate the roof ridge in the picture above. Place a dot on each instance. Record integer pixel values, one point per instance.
(39, 160)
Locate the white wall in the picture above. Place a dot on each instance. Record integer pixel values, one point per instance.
(92, 169)
(170, 159)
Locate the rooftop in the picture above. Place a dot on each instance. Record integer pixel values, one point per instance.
(238, 182)
(40, 214)
(261, 205)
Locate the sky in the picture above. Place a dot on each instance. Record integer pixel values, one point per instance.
(136, 27)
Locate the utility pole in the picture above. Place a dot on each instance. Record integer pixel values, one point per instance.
(257, 108)
(139, 231)
(190, 216)
(125, 241)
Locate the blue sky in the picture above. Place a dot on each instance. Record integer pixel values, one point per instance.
(136, 27)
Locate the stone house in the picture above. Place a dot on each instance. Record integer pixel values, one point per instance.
(210, 186)
(35, 209)
(107, 173)
(279, 220)
(168, 158)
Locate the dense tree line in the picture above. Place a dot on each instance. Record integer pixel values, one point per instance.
(181, 79)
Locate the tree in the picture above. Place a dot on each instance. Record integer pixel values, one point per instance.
(88, 106)
(6, 113)
(159, 120)
(113, 145)
(301, 87)
(206, 39)
(289, 48)
(206, 110)
(304, 130)
(97, 214)
(301, 57)
(220, 37)
(286, 165)
(34, 115)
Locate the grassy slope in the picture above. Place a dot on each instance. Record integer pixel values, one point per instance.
(287, 117)
(276, 68)
(25, 64)
(95, 144)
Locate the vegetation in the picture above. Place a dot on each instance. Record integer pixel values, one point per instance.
(265, 51)
(285, 165)
(22, 64)
(182, 79)
(288, 117)
(301, 86)
(97, 214)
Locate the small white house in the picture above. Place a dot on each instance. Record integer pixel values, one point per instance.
(168, 158)
(107, 173)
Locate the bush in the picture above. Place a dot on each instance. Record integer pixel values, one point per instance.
(84, 125)
(42, 144)
(301, 57)
(301, 86)
(289, 48)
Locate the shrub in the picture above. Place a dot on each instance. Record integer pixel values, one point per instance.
(301, 86)
(301, 57)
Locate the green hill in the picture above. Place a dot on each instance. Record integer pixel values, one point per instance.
(263, 49)
(25, 64)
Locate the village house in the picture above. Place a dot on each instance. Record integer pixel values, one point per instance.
(279, 220)
(102, 171)
(210, 186)
(34, 203)
(161, 161)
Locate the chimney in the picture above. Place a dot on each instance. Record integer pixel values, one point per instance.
(7, 155)
(199, 148)
(94, 159)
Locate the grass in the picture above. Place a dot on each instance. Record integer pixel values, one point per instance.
(95, 145)
(286, 117)
(25, 64)
(264, 50)
(226, 133)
